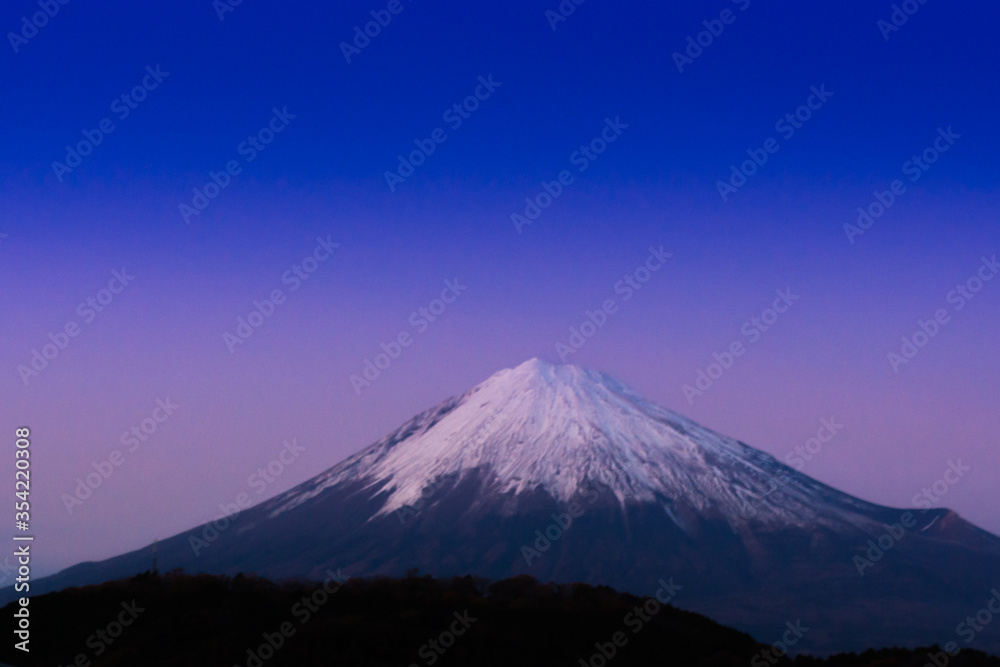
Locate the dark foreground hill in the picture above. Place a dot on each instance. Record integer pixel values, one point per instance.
(190, 621)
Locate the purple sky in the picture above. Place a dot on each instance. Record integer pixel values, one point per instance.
(161, 337)
(679, 133)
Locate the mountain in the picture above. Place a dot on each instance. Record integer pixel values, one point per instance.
(568, 475)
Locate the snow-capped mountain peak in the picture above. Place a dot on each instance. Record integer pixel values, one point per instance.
(562, 430)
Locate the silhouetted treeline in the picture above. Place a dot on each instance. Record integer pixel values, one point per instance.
(190, 621)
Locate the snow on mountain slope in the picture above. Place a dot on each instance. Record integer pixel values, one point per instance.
(562, 429)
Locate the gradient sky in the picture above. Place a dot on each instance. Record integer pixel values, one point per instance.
(323, 176)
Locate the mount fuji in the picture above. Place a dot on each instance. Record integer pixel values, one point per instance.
(568, 475)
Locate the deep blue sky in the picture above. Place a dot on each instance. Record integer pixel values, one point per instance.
(656, 184)
(605, 59)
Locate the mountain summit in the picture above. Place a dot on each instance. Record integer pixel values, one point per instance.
(558, 429)
(568, 475)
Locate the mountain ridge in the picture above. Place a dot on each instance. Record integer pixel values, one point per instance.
(584, 436)
(664, 497)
